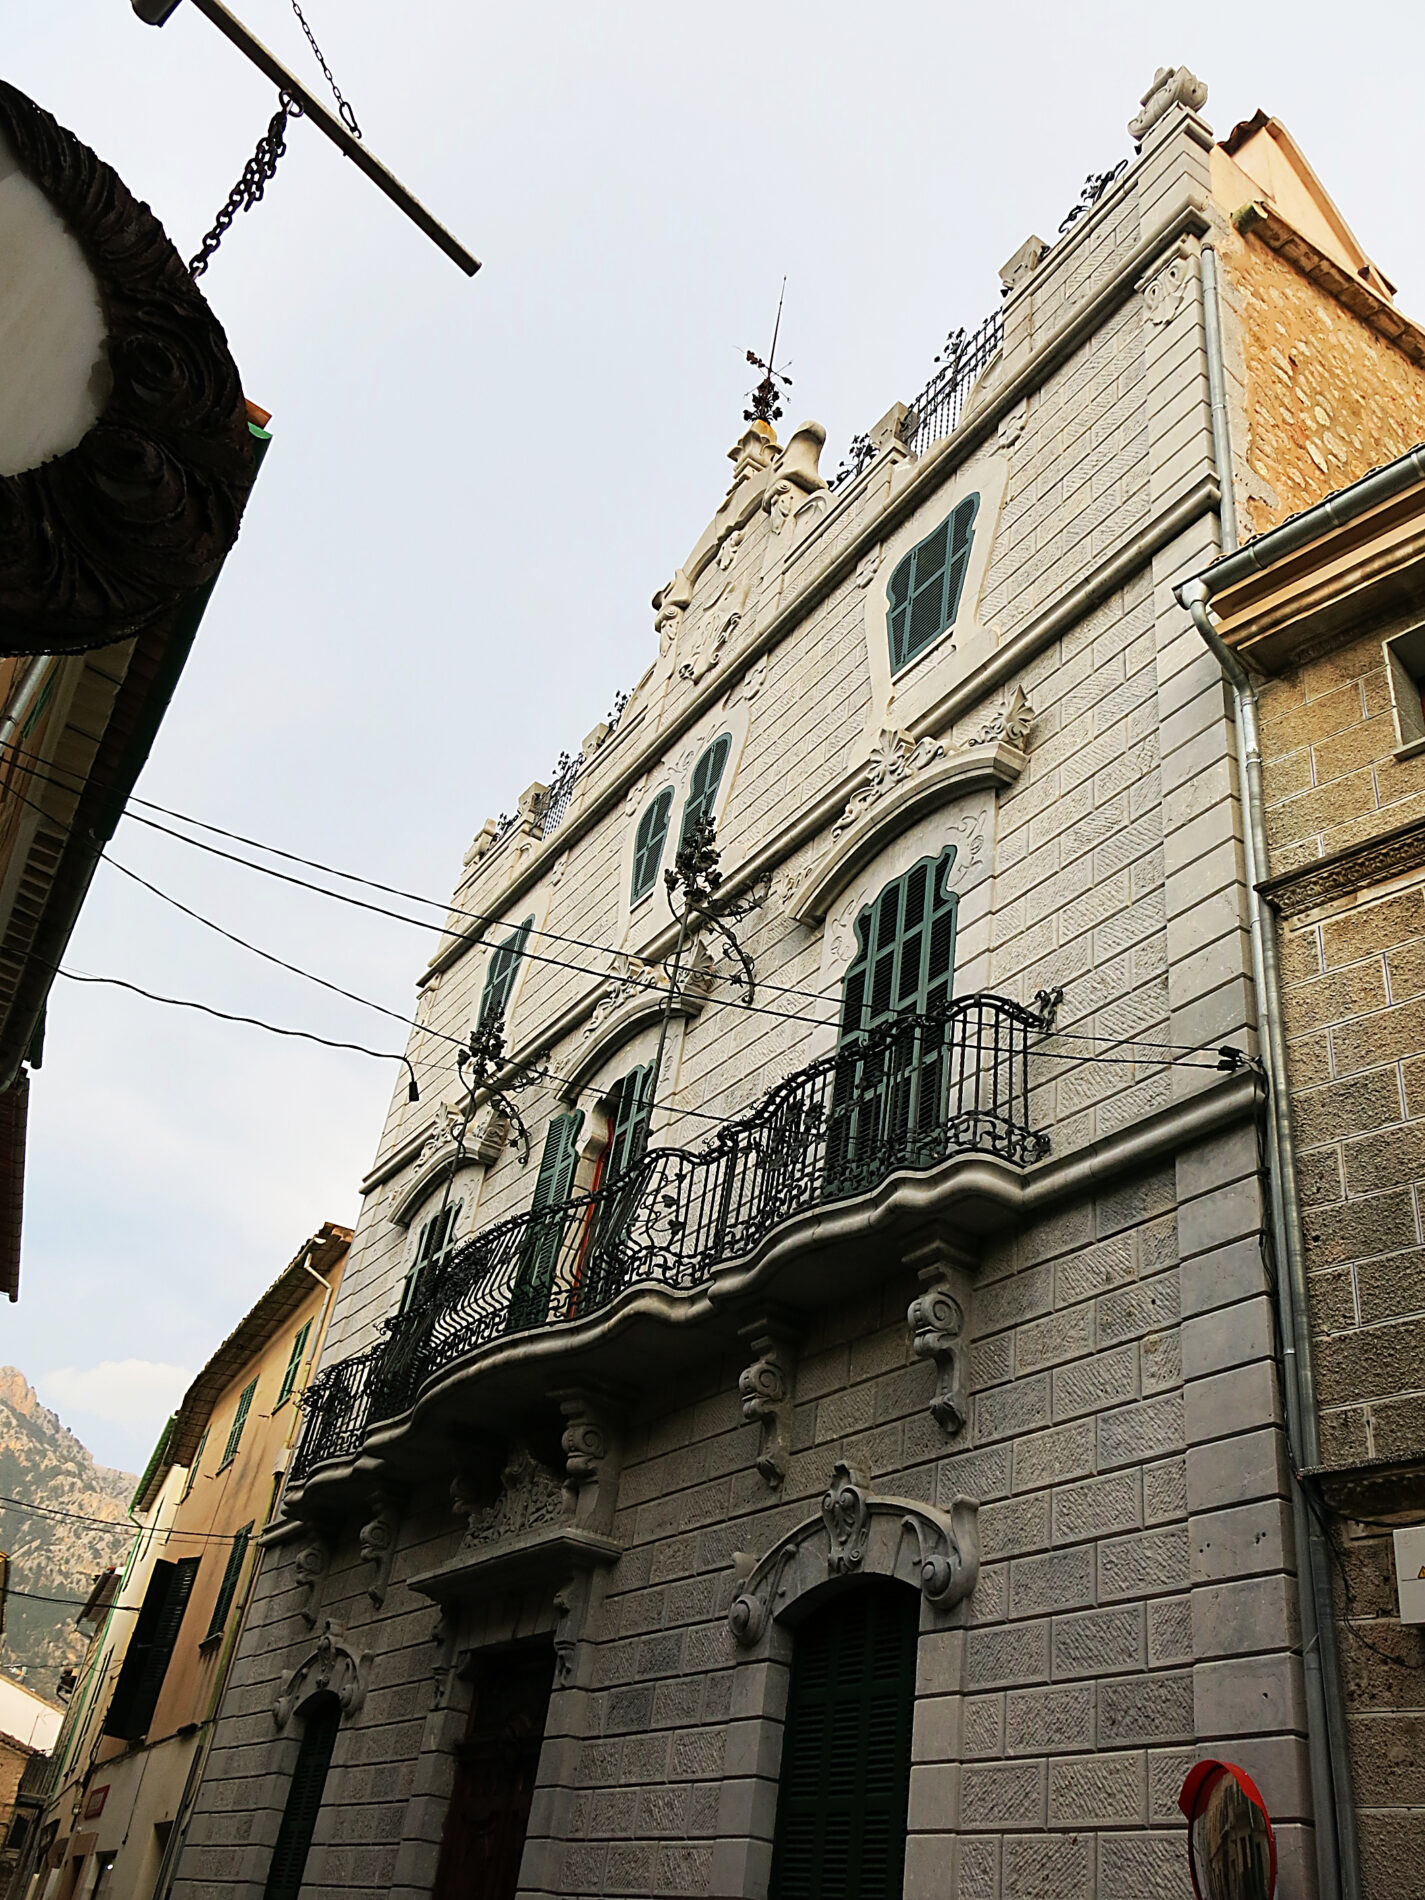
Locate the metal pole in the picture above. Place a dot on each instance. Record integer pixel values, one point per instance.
(267, 63)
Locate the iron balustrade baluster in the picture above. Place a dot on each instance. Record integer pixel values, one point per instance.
(905, 1096)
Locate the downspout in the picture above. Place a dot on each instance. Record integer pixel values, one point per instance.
(1338, 1864)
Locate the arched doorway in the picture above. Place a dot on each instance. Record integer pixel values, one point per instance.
(845, 1779)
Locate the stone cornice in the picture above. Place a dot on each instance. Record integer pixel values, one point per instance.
(1355, 867)
(1189, 217)
(549, 1553)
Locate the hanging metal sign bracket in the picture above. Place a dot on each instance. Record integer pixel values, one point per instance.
(156, 12)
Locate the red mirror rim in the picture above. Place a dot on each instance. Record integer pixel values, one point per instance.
(1200, 1780)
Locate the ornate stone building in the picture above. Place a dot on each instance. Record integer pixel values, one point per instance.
(801, 1414)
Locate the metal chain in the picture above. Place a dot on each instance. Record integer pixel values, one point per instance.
(348, 117)
(257, 174)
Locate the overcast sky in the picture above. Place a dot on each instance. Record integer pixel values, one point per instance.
(474, 487)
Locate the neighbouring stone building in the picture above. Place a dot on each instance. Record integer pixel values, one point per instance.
(810, 1425)
(1330, 613)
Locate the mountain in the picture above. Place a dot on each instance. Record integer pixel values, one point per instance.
(43, 1463)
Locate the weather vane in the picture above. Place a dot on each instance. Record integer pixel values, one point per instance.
(766, 398)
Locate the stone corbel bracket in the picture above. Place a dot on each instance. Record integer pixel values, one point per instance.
(376, 1539)
(309, 1572)
(857, 1533)
(593, 1458)
(939, 1330)
(766, 1390)
(891, 800)
(332, 1666)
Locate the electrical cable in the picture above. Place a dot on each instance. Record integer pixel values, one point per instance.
(449, 908)
(126, 1525)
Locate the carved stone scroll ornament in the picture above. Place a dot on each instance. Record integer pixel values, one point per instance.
(99, 540)
(859, 1533)
(592, 1460)
(899, 756)
(376, 1540)
(765, 1389)
(1164, 292)
(937, 1327)
(309, 1572)
(1172, 86)
(1011, 725)
(530, 1496)
(332, 1665)
(571, 1607)
(452, 1663)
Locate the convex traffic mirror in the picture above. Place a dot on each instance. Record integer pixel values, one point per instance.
(1232, 1852)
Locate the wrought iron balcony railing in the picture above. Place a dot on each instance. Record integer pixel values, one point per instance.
(912, 1093)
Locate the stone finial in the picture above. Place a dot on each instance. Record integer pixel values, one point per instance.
(1022, 266)
(534, 803)
(1172, 86)
(484, 842)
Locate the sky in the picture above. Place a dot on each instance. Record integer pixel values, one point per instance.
(474, 486)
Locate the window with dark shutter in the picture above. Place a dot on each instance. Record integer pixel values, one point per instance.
(534, 1279)
(885, 1100)
(434, 1245)
(648, 842)
(504, 967)
(294, 1362)
(146, 1662)
(244, 1406)
(602, 1255)
(629, 1111)
(304, 1800)
(845, 1780)
(924, 593)
(227, 1589)
(702, 789)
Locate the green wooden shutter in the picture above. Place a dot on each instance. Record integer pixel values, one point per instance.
(146, 1661)
(500, 977)
(227, 1589)
(189, 1481)
(244, 1406)
(886, 1105)
(304, 1801)
(294, 1363)
(845, 1781)
(434, 1245)
(648, 844)
(629, 1135)
(529, 1301)
(924, 593)
(702, 791)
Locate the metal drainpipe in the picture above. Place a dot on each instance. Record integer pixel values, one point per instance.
(1338, 1862)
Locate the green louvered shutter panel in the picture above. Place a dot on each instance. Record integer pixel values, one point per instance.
(702, 791)
(648, 844)
(192, 1477)
(304, 1801)
(244, 1406)
(845, 1781)
(924, 594)
(146, 1664)
(434, 1245)
(227, 1589)
(294, 1362)
(529, 1302)
(630, 1129)
(887, 1106)
(500, 978)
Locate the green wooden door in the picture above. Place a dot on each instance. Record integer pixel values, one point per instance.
(845, 1782)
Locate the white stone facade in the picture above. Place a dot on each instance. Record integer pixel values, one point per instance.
(1133, 1607)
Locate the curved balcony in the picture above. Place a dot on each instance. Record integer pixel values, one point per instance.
(908, 1096)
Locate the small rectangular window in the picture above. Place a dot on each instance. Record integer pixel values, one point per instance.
(244, 1405)
(1405, 669)
(294, 1363)
(227, 1589)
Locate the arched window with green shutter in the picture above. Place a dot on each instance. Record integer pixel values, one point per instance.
(924, 594)
(648, 844)
(886, 1100)
(603, 1257)
(504, 967)
(544, 1238)
(845, 1778)
(702, 788)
